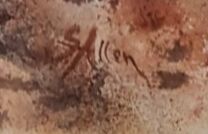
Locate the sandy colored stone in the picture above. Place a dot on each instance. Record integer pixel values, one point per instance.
(103, 67)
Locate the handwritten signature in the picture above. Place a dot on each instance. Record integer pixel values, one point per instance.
(74, 46)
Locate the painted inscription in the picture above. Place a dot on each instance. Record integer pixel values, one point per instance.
(73, 44)
(120, 56)
(74, 47)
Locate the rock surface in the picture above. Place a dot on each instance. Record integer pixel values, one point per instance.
(103, 67)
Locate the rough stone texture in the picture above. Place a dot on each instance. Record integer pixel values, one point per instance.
(103, 67)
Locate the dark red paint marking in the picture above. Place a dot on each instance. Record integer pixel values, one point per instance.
(85, 49)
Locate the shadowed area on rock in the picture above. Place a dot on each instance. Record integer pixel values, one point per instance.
(171, 80)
